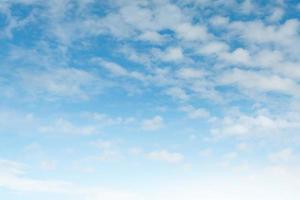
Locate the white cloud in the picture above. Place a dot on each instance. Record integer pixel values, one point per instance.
(242, 146)
(256, 32)
(219, 21)
(152, 36)
(164, 155)
(192, 32)
(230, 156)
(277, 61)
(61, 82)
(13, 176)
(109, 150)
(189, 73)
(269, 51)
(266, 184)
(132, 18)
(206, 152)
(103, 119)
(172, 54)
(283, 155)
(11, 167)
(48, 165)
(177, 93)
(213, 48)
(13, 22)
(63, 126)
(247, 6)
(118, 70)
(135, 151)
(204, 88)
(153, 124)
(82, 123)
(238, 56)
(27, 121)
(114, 68)
(138, 17)
(11, 173)
(276, 15)
(267, 58)
(256, 81)
(195, 113)
(259, 125)
(135, 55)
(228, 159)
(283, 182)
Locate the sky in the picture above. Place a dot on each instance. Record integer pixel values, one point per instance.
(150, 99)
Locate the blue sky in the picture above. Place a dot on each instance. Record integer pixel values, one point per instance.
(149, 99)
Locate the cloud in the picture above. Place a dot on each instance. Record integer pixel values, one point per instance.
(276, 15)
(275, 61)
(13, 22)
(230, 156)
(10, 178)
(214, 47)
(63, 126)
(135, 151)
(103, 119)
(61, 82)
(171, 54)
(49, 165)
(117, 70)
(152, 36)
(247, 6)
(190, 32)
(195, 113)
(177, 93)
(166, 156)
(238, 56)
(109, 150)
(27, 121)
(135, 19)
(209, 62)
(282, 183)
(258, 125)
(260, 82)
(80, 124)
(206, 152)
(219, 21)
(283, 155)
(283, 35)
(153, 124)
(11, 167)
(114, 68)
(189, 73)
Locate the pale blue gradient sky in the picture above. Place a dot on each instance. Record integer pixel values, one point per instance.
(149, 99)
